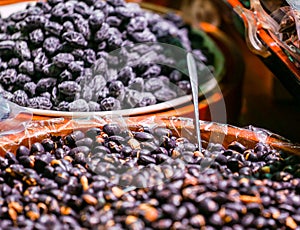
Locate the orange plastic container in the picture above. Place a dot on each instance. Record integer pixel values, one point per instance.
(210, 132)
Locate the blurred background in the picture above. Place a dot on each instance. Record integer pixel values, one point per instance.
(265, 102)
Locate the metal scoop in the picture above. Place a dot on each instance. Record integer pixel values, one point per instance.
(194, 83)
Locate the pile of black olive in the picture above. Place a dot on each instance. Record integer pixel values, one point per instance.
(55, 56)
(75, 182)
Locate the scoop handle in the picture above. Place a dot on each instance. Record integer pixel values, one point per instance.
(194, 83)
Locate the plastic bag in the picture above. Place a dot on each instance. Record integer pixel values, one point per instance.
(283, 25)
(288, 34)
(211, 132)
(14, 119)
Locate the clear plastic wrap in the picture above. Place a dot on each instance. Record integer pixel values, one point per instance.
(283, 25)
(251, 32)
(288, 33)
(145, 53)
(14, 119)
(211, 132)
(182, 128)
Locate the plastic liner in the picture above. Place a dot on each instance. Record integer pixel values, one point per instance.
(14, 119)
(283, 25)
(288, 32)
(182, 127)
(295, 4)
(151, 53)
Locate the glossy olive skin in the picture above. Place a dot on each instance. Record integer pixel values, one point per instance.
(71, 41)
(69, 180)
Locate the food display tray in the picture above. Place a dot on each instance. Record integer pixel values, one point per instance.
(229, 68)
(211, 132)
(197, 34)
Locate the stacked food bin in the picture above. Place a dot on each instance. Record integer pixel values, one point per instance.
(271, 31)
(87, 144)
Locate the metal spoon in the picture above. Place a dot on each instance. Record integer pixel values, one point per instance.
(194, 83)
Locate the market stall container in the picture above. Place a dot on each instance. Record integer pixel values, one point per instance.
(229, 72)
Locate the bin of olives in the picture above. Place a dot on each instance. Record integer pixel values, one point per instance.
(69, 175)
(56, 56)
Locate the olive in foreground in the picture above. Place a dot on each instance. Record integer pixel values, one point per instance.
(73, 182)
